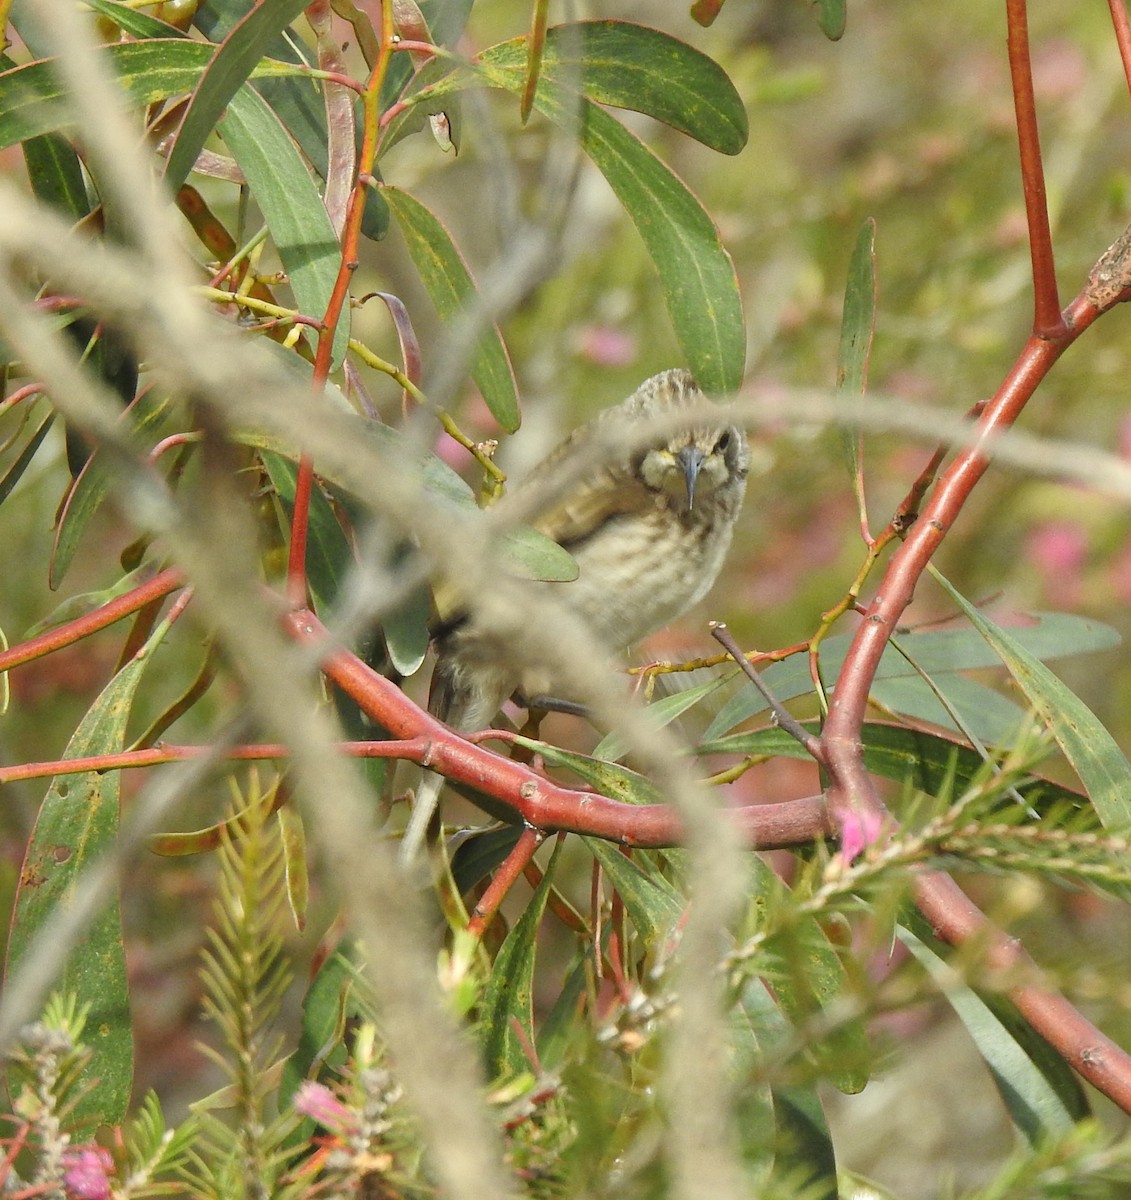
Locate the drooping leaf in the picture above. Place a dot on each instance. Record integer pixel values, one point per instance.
(662, 712)
(78, 824)
(91, 488)
(696, 272)
(633, 66)
(1089, 747)
(328, 552)
(858, 326)
(55, 174)
(1042, 1095)
(927, 762)
(1052, 635)
(330, 1001)
(832, 16)
(13, 473)
(231, 65)
(294, 100)
(653, 905)
(299, 224)
(451, 289)
(509, 997)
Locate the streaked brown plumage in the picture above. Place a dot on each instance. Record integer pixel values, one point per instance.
(648, 531)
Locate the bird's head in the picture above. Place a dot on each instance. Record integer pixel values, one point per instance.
(695, 463)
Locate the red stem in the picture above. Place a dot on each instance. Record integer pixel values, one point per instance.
(1047, 319)
(108, 614)
(296, 567)
(413, 750)
(505, 878)
(536, 800)
(1088, 1051)
(1122, 35)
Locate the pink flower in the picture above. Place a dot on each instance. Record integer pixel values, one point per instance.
(858, 831)
(316, 1101)
(86, 1172)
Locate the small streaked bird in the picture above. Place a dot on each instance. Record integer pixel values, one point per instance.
(649, 532)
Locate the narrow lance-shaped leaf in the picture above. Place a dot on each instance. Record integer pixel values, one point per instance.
(857, 329)
(76, 826)
(1044, 1099)
(633, 66)
(509, 995)
(1092, 751)
(452, 290)
(936, 652)
(698, 278)
(697, 275)
(230, 67)
(282, 187)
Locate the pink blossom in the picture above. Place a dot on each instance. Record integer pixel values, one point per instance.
(858, 831)
(318, 1102)
(86, 1172)
(1059, 551)
(607, 346)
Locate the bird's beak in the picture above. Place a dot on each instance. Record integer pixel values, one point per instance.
(690, 459)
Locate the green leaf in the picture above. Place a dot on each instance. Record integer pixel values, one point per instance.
(755, 1024)
(663, 712)
(34, 102)
(696, 273)
(832, 16)
(989, 715)
(76, 826)
(808, 979)
(231, 66)
(928, 762)
(651, 901)
(525, 552)
(22, 461)
(297, 102)
(139, 24)
(93, 484)
(1044, 1098)
(936, 652)
(407, 633)
(509, 994)
(633, 66)
(330, 1001)
(475, 853)
(452, 290)
(532, 555)
(857, 329)
(698, 277)
(803, 1143)
(55, 174)
(299, 224)
(616, 782)
(1092, 751)
(328, 552)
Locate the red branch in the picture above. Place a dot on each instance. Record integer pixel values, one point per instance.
(1122, 35)
(1047, 320)
(1088, 1051)
(539, 802)
(505, 877)
(107, 614)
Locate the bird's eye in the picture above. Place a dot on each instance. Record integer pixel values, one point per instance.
(723, 444)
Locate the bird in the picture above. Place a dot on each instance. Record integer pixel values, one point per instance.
(648, 529)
